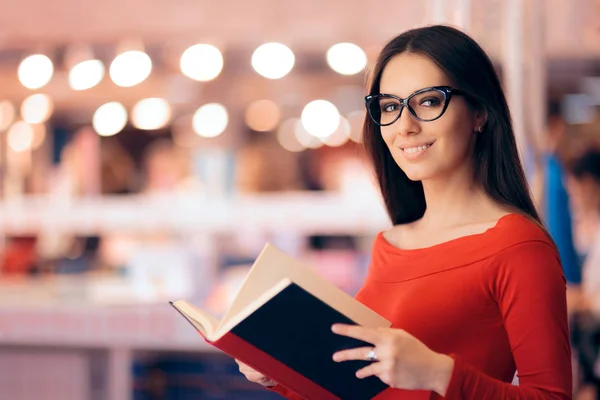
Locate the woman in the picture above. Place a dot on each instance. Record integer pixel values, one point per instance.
(469, 278)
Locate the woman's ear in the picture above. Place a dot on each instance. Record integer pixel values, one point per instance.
(481, 117)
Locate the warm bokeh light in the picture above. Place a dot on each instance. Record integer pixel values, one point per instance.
(356, 120)
(183, 133)
(130, 68)
(306, 138)
(201, 62)
(35, 71)
(39, 135)
(86, 74)
(210, 120)
(263, 115)
(286, 135)
(150, 114)
(320, 118)
(109, 119)
(20, 136)
(37, 108)
(346, 58)
(7, 114)
(273, 60)
(340, 136)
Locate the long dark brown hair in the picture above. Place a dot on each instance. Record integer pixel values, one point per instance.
(497, 165)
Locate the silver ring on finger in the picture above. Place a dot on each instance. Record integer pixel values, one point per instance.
(371, 355)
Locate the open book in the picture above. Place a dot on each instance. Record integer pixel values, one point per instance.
(280, 325)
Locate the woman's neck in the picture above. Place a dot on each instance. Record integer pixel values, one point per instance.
(454, 201)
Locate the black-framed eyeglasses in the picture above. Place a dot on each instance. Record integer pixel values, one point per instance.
(425, 105)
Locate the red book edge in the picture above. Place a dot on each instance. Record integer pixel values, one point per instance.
(285, 376)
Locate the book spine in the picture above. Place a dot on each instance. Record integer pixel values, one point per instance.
(240, 349)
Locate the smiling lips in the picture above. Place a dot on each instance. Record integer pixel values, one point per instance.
(415, 151)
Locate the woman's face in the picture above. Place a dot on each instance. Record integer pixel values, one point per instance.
(428, 150)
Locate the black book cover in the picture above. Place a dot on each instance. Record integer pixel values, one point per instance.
(294, 327)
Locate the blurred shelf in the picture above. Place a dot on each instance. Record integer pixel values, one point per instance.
(305, 213)
(156, 328)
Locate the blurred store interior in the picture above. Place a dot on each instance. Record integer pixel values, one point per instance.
(149, 149)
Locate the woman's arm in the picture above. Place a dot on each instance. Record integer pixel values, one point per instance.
(528, 284)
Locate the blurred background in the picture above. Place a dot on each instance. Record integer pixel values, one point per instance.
(150, 148)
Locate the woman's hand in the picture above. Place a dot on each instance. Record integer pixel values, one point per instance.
(401, 360)
(254, 376)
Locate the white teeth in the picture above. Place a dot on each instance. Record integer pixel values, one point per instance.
(415, 149)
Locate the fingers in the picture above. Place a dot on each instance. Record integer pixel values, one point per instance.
(267, 382)
(250, 373)
(253, 375)
(357, 332)
(377, 369)
(256, 377)
(243, 367)
(359, 353)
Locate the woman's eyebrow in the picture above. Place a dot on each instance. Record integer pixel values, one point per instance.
(395, 92)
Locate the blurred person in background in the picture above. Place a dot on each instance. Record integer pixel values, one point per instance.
(557, 212)
(581, 189)
(257, 160)
(468, 276)
(117, 168)
(165, 168)
(584, 184)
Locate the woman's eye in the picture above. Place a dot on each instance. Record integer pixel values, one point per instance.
(390, 107)
(430, 102)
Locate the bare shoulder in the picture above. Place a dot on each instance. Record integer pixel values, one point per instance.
(419, 234)
(399, 235)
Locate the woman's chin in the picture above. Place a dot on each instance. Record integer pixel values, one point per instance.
(417, 176)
